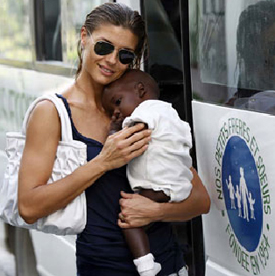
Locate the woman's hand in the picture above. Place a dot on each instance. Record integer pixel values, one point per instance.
(137, 211)
(124, 145)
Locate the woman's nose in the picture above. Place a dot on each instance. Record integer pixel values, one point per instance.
(112, 57)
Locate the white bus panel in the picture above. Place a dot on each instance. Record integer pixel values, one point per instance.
(235, 155)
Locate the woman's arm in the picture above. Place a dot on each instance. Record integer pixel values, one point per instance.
(137, 211)
(35, 198)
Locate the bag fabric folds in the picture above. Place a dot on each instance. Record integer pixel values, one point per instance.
(70, 155)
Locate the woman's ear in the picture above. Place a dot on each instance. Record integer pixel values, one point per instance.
(84, 35)
(141, 90)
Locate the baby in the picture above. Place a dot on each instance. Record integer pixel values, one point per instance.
(162, 173)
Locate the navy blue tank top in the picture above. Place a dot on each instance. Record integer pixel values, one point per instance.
(101, 249)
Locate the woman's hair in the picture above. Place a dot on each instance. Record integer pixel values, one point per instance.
(117, 14)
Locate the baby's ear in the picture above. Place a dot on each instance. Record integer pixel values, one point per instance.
(141, 90)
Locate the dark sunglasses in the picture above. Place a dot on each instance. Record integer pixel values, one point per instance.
(103, 48)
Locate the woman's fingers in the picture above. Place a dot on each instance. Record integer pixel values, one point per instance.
(135, 153)
(133, 140)
(125, 195)
(136, 210)
(121, 217)
(139, 139)
(136, 144)
(123, 146)
(129, 131)
(123, 224)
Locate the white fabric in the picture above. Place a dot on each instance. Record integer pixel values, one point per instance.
(146, 266)
(70, 155)
(165, 165)
(182, 272)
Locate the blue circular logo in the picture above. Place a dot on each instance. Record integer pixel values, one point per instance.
(242, 193)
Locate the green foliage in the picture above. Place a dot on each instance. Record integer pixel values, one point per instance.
(15, 36)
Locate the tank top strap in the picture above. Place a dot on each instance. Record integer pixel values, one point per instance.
(76, 134)
(66, 105)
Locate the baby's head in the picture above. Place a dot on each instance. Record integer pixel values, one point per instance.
(122, 96)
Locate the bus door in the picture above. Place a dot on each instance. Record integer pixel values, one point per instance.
(168, 63)
(232, 56)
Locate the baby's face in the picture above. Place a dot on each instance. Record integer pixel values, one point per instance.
(120, 100)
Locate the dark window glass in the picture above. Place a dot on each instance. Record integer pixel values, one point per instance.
(52, 30)
(233, 52)
(48, 31)
(164, 61)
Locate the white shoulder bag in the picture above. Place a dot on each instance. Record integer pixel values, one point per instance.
(70, 155)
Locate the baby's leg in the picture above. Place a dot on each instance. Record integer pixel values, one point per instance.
(138, 242)
(136, 238)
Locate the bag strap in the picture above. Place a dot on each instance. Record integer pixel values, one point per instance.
(66, 127)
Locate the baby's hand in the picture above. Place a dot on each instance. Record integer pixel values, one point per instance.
(116, 124)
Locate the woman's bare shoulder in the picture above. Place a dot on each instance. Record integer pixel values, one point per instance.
(44, 119)
(44, 109)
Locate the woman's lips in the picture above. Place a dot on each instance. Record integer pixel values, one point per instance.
(105, 70)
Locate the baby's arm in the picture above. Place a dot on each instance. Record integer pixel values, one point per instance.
(157, 196)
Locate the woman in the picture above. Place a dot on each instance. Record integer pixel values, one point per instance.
(112, 39)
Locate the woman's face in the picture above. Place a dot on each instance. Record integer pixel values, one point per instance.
(104, 69)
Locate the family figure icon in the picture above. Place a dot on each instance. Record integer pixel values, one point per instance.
(243, 196)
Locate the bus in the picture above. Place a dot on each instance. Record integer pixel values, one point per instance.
(214, 60)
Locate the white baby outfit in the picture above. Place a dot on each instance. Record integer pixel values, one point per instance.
(165, 165)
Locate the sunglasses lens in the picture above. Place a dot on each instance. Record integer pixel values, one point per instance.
(126, 57)
(103, 48)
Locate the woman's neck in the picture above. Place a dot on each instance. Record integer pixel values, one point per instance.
(88, 90)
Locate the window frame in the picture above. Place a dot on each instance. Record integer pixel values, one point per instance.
(37, 48)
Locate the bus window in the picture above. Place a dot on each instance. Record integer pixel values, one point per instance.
(15, 32)
(43, 31)
(53, 16)
(72, 19)
(233, 52)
